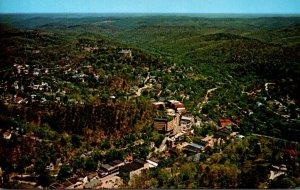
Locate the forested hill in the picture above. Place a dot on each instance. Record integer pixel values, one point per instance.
(80, 90)
(237, 54)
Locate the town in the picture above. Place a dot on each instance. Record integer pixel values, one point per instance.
(81, 110)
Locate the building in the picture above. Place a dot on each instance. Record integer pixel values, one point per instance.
(174, 104)
(134, 168)
(7, 135)
(153, 162)
(239, 137)
(186, 120)
(116, 163)
(171, 112)
(112, 167)
(225, 123)
(165, 124)
(181, 110)
(178, 105)
(152, 145)
(173, 139)
(193, 148)
(223, 133)
(126, 53)
(207, 142)
(159, 105)
(291, 152)
(197, 121)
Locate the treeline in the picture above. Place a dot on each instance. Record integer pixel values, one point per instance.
(111, 118)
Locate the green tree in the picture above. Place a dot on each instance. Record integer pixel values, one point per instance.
(76, 140)
(90, 165)
(64, 172)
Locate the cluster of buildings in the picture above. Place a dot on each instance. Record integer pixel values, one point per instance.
(109, 175)
(176, 125)
(176, 119)
(26, 84)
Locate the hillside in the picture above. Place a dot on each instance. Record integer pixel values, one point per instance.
(80, 91)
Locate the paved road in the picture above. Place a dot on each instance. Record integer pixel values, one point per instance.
(201, 104)
(140, 90)
(163, 144)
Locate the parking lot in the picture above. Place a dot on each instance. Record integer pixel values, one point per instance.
(111, 181)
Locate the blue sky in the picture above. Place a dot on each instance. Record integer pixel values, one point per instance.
(150, 6)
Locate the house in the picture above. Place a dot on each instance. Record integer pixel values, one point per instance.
(89, 69)
(177, 105)
(126, 53)
(152, 145)
(7, 135)
(291, 152)
(207, 142)
(50, 166)
(165, 124)
(193, 148)
(36, 51)
(223, 133)
(19, 100)
(225, 123)
(239, 137)
(167, 154)
(198, 121)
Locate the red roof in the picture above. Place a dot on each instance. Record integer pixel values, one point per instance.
(225, 122)
(129, 158)
(19, 98)
(7, 133)
(177, 105)
(167, 154)
(292, 152)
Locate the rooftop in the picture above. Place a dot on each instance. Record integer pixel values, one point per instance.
(106, 166)
(131, 167)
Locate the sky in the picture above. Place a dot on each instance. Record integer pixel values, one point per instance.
(151, 6)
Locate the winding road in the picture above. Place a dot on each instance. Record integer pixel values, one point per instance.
(201, 104)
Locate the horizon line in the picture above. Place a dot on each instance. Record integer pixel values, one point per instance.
(250, 13)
